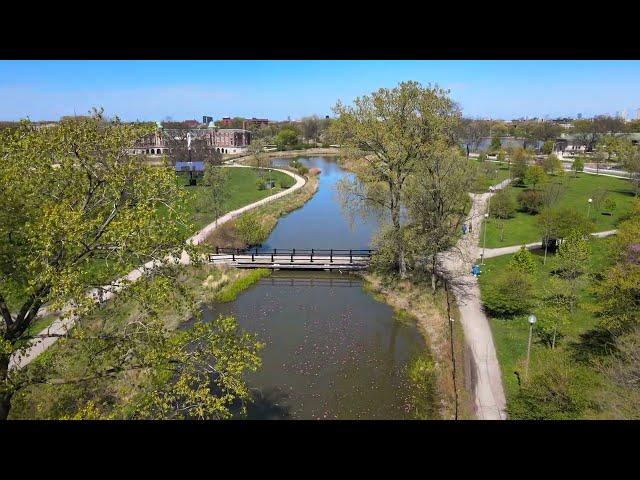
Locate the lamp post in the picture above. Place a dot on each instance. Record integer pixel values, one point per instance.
(589, 208)
(484, 241)
(532, 321)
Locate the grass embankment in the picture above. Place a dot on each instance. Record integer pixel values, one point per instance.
(511, 334)
(522, 228)
(226, 234)
(413, 299)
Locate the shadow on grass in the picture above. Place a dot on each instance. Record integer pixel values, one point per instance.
(592, 344)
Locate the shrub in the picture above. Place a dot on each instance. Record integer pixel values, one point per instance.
(249, 229)
(501, 156)
(523, 261)
(509, 294)
(503, 204)
(261, 184)
(530, 201)
(558, 390)
(482, 157)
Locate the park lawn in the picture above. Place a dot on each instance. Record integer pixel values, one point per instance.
(511, 334)
(242, 189)
(522, 228)
(483, 182)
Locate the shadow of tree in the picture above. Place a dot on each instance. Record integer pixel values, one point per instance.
(268, 404)
(593, 343)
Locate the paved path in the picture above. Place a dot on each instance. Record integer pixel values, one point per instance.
(488, 392)
(61, 326)
(496, 252)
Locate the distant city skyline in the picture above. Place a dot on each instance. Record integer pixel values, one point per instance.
(155, 90)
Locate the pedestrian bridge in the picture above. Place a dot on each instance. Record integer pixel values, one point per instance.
(293, 259)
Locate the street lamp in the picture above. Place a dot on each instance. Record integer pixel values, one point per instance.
(589, 208)
(484, 241)
(532, 320)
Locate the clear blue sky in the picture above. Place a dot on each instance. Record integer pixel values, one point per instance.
(153, 90)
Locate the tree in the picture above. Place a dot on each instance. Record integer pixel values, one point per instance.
(547, 147)
(552, 165)
(501, 156)
(530, 201)
(631, 163)
(577, 166)
(572, 257)
(216, 181)
(495, 144)
(523, 261)
(286, 138)
(387, 134)
(520, 159)
(435, 201)
(201, 148)
(502, 207)
(536, 175)
(76, 212)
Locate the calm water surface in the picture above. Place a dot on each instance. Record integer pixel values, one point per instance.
(332, 350)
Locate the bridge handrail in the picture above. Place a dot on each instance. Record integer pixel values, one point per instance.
(295, 251)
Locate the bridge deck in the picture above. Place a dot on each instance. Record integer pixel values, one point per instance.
(301, 259)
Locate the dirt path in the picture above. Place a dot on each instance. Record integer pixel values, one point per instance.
(61, 326)
(488, 392)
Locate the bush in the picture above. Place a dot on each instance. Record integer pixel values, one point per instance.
(482, 157)
(302, 170)
(509, 294)
(530, 201)
(523, 261)
(261, 184)
(501, 156)
(558, 390)
(249, 229)
(503, 204)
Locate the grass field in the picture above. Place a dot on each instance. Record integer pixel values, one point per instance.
(242, 189)
(522, 228)
(511, 335)
(483, 181)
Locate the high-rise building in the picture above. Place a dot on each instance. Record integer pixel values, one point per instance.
(579, 116)
(206, 119)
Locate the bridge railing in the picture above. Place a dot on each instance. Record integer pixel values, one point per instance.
(293, 253)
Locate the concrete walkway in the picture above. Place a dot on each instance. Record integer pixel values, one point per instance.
(61, 326)
(496, 252)
(488, 392)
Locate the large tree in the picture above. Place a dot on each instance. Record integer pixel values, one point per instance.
(436, 200)
(388, 133)
(77, 212)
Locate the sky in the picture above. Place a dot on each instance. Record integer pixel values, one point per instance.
(279, 89)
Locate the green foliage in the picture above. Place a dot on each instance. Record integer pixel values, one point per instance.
(547, 147)
(536, 175)
(250, 229)
(231, 291)
(503, 205)
(286, 138)
(482, 157)
(495, 144)
(523, 261)
(552, 164)
(501, 156)
(509, 294)
(519, 158)
(530, 201)
(557, 390)
(422, 393)
(577, 165)
(261, 184)
(573, 255)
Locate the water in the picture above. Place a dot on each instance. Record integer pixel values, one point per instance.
(332, 350)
